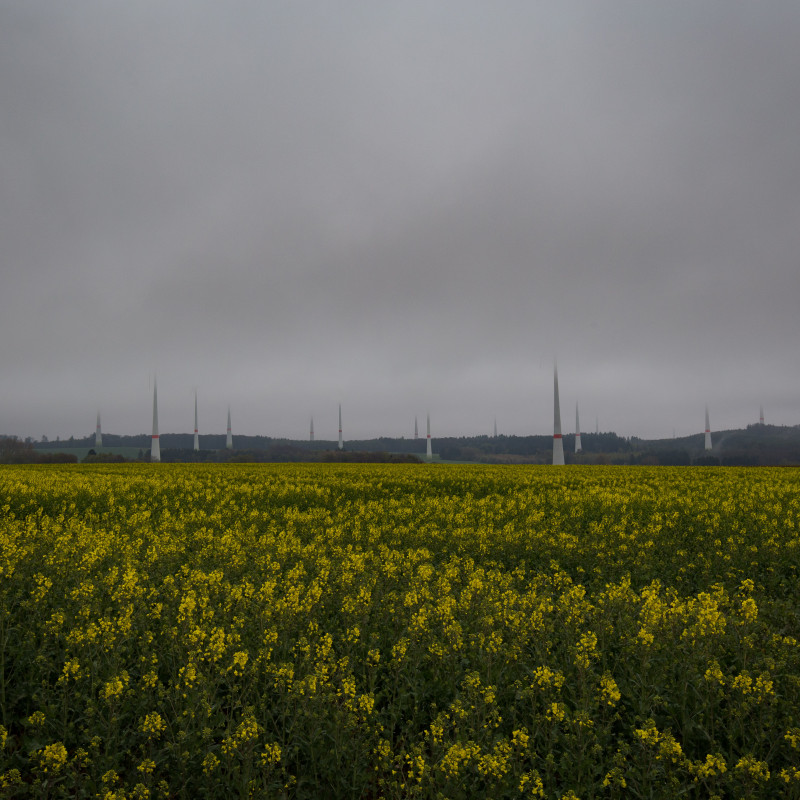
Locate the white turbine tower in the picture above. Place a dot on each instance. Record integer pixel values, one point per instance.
(578, 447)
(429, 452)
(229, 437)
(761, 414)
(558, 444)
(311, 431)
(196, 435)
(98, 434)
(155, 446)
(341, 441)
(708, 431)
(416, 429)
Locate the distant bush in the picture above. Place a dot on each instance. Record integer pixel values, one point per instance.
(347, 457)
(674, 458)
(706, 461)
(13, 451)
(103, 458)
(55, 458)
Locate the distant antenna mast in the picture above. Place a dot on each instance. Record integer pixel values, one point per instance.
(429, 452)
(229, 438)
(155, 446)
(578, 447)
(495, 427)
(708, 431)
(196, 435)
(761, 414)
(341, 441)
(311, 431)
(98, 434)
(558, 444)
(416, 429)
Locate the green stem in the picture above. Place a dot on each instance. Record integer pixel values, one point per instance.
(3, 667)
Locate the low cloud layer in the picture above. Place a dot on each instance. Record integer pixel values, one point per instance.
(401, 207)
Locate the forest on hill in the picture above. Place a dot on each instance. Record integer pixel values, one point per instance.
(756, 445)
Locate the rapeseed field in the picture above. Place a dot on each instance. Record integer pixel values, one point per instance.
(367, 631)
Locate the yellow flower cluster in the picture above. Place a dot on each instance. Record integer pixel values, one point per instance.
(610, 694)
(53, 757)
(113, 688)
(713, 765)
(245, 734)
(153, 725)
(753, 768)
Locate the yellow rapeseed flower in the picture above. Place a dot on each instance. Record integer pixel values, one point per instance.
(153, 725)
(53, 757)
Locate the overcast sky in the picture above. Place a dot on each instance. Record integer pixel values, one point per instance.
(400, 206)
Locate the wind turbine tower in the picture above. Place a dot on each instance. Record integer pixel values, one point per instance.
(98, 434)
(760, 414)
(229, 438)
(341, 441)
(416, 429)
(196, 435)
(578, 447)
(155, 446)
(311, 431)
(558, 444)
(429, 452)
(495, 427)
(708, 431)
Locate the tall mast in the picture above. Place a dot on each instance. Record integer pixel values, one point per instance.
(98, 434)
(495, 427)
(429, 451)
(578, 447)
(155, 446)
(229, 438)
(311, 431)
(761, 414)
(558, 444)
(196, 435)
(416, 429)
(341, 441)
(708, 431)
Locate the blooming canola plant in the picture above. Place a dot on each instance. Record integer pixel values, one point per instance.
(398, 631)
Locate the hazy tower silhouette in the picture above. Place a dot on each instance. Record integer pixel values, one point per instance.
(311, 431)
(196, 435)
(708, 431)
(495, 427)
(341, 441)
(578, 447)
(416, 429)
(229, 438)
(558, 444)
(761, 414)
(98, 434)
(429, 452)
(155, 446)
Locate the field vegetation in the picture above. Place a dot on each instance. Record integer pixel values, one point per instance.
(393, 631)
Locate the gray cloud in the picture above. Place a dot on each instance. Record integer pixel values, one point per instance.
(403, 207)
